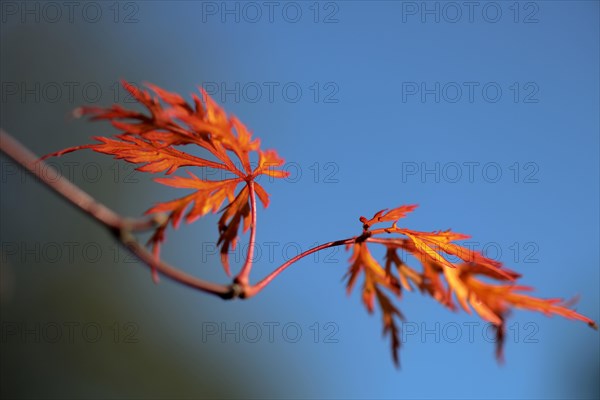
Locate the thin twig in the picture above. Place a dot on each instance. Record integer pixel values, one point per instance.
(120, 226)
(255, 289)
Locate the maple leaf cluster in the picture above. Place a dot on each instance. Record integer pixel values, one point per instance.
(447, 282)
(152, 142)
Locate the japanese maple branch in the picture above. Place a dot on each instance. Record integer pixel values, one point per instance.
(122, 228)
(244, 274)
(119, 226)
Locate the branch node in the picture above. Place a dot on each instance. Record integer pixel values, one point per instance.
(160, 219)
(236, 291)
(126, 236)
(364, 236)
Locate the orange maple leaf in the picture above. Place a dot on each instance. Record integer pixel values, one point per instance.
(439, 278)
(150, 140)
(392, 215)
(376, 280)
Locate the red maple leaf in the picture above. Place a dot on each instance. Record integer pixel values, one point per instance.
(150, 140)
(441, 279)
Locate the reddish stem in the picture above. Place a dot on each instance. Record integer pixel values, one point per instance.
(254, 290)
(121, 227)
(225, 292)
(243, 277)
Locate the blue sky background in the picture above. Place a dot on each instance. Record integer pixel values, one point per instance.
(362, 132)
